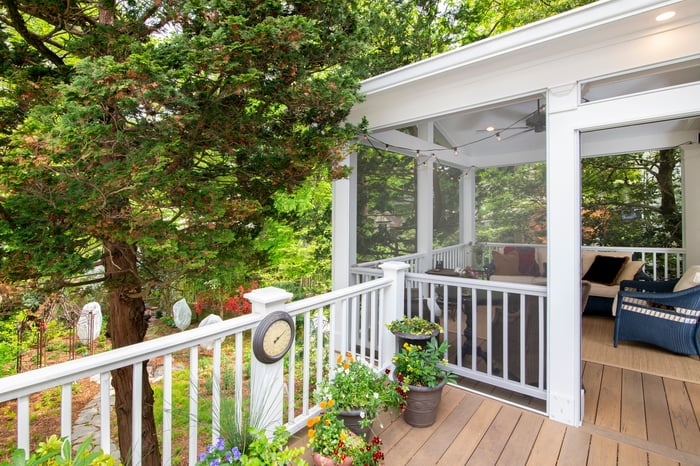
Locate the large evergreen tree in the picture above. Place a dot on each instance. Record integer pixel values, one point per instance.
(141, 138)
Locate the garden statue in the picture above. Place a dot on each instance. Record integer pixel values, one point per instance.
(182, 314)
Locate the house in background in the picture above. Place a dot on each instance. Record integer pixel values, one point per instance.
(613, 77)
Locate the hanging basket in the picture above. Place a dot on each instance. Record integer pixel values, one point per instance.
(422, 404)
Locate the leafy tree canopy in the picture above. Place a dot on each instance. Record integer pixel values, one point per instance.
(168, 128)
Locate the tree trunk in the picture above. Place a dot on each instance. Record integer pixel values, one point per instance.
(127, 326)
(668, 209)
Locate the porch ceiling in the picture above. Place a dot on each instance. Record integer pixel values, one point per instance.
(500, 81)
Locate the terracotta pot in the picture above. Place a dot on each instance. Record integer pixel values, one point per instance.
(422, 404)
(351, 418)
(319, 460)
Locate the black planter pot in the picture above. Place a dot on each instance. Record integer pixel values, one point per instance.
(413, 339)
(422, 404)
(351, 418)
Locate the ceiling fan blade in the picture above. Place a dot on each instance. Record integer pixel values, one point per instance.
(500, 130)
(517, 134)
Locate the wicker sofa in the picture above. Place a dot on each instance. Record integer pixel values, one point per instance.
(528, 265)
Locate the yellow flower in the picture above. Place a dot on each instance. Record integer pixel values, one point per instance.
(342, 436)
(406, 345)
(420, 347)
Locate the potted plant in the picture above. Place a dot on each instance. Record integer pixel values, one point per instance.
(422, 377)
(334, 444)
(357, 393)
(414, 330)
(260, 451)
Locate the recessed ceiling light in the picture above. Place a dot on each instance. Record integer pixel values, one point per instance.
(490, 128)
(666, 16)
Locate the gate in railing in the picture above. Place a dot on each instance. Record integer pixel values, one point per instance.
(496, 330)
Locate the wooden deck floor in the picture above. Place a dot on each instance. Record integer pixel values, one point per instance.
(629, 419)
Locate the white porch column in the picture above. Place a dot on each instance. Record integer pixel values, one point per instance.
(424, 201)
(563, 257)
(344, 248)
(691, 207)
(467, 207)
(267, 380)
(393, 308)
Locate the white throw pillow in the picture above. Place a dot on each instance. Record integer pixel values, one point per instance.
(690, 278)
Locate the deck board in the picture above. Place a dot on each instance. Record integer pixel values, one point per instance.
(520, 444)
(608, 413)
(659, 428)
(632, 416)
(574, 448)
(602, 451)
(685, 426)
(494, 440)
(469, 437)
(656, 424)
(548, 443)
(592, 376)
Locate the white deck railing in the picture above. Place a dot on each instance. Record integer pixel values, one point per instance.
(324, 325)
(659, 263)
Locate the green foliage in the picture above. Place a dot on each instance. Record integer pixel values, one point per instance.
(56, 452)
(296, 239)
(415, 325)
(356, 386)
(176, 145)
(386, 222)
(261, 451)
(416, 365)
(630, 200)
(403, 32)
(511, 204)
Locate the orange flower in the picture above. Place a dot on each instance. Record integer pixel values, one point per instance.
(323, 405)
(340, 358)
(311, 433)
(310, 422)
(317, 419)
(342, 436)
(331, 403)
(328, 422)
(345, 365)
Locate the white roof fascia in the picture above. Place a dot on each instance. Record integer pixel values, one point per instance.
(549, 29)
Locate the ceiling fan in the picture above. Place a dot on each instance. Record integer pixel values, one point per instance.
(535, 121)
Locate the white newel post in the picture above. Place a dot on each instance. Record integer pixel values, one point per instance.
(267, 380)
(393, 307)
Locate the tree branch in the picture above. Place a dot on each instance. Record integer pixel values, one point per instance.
(31, 38)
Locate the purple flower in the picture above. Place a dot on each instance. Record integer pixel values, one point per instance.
(220, 444)
(215, 462)
(210, 449)
(228, 458)
(236, 453)
(202, 456)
